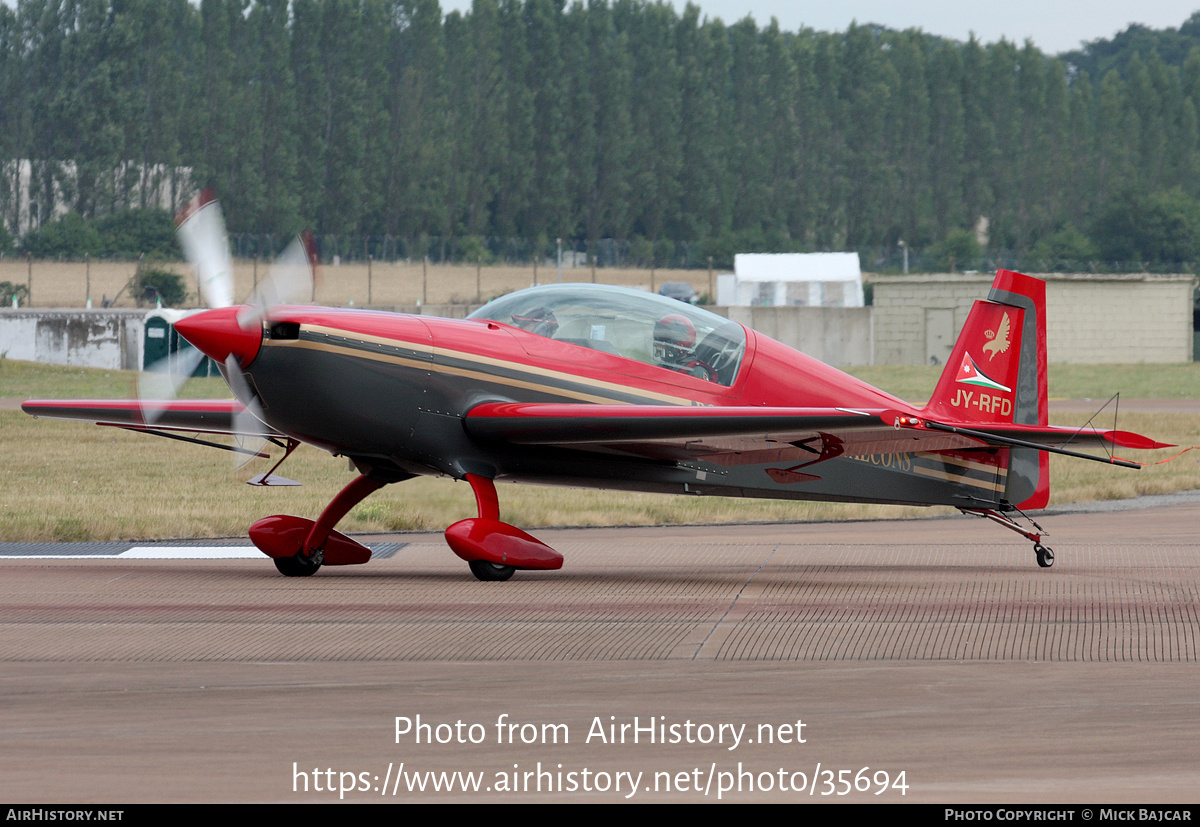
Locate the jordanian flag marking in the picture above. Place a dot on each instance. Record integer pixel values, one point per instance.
(969, 374)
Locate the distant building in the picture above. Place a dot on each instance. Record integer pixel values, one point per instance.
(795, 279)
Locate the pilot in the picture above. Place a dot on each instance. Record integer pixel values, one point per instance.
(675, 347)
(539, 320)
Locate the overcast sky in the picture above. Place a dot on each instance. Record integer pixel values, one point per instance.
(1054, 25)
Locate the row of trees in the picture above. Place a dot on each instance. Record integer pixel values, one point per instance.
(622, 119)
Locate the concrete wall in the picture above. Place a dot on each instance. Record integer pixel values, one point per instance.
(87, 338)
(1091, 319)
(1115, 319)
(839, 336)
(446, 311)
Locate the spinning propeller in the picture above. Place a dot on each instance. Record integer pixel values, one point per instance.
(227, 334)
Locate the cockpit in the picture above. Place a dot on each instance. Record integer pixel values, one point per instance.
(629, 323)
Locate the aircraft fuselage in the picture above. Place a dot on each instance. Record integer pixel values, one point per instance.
(393, 389)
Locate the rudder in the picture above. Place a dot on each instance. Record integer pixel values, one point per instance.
(997, 373)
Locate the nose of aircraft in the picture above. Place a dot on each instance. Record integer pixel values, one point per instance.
(217, 333)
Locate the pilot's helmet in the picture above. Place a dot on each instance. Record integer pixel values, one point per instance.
(540, 320)
(674, 338)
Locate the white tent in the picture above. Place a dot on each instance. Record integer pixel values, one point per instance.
(806, 279)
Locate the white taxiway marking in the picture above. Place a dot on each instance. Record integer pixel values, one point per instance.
(193, 553)
(157, 553)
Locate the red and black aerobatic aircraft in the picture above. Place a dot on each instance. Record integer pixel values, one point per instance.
(601, 387)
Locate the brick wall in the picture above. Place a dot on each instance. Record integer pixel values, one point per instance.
(1091, 319)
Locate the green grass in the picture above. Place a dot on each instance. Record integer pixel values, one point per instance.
(1176, 381)
(32, 380)
(910, 383)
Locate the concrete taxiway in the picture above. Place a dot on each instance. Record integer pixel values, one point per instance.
(685, 658)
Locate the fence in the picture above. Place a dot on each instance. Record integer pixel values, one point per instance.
(893, 262)
(604, 252)
(340, 282)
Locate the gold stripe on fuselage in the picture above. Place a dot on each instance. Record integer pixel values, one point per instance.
(995, 486)
(543, 387)
(964, 463)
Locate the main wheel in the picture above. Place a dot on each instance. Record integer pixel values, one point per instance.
(487, 570)
(1045, 556)
(298, 566)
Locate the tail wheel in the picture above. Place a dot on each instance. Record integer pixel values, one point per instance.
(485, 570)
(298, 566)
(1045, 556)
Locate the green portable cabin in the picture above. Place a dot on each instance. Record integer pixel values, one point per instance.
(160, 341)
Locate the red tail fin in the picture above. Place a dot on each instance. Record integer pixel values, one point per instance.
(997, 373)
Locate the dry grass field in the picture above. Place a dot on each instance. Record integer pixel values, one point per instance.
(70, 481)
(392, 284)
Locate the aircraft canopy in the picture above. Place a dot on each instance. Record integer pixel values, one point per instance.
(629, 323)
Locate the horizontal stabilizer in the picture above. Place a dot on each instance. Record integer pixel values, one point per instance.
(1059, 437)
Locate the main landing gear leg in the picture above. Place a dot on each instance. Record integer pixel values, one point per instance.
(300, 547)
(1044, 554)
(495, 550)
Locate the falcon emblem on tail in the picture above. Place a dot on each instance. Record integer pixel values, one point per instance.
(1000, 341)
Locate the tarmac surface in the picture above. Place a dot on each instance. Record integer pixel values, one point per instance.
(934, 653)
